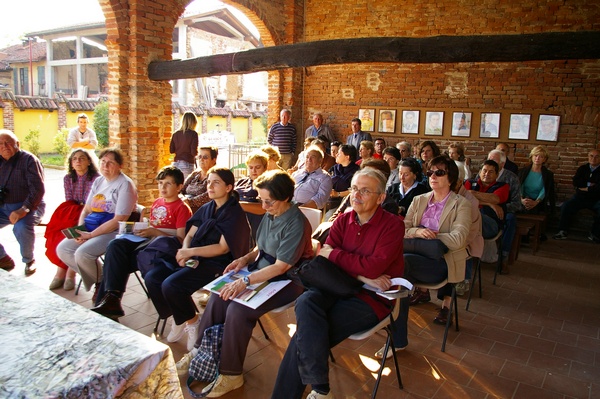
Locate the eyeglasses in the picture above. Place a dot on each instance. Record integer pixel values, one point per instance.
(268, 203)
(362, 191)
(438, 173)
(203, 156)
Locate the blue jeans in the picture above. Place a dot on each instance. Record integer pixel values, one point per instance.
(323, 321)
(23, 229)
(489, 227)
(510, 229)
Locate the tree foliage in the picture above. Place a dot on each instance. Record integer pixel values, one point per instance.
(60, 142)
(101, 124)
(33, 141)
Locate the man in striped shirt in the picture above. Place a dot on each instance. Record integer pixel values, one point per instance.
(283, 136)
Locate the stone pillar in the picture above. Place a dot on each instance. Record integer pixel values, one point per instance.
(139, 32)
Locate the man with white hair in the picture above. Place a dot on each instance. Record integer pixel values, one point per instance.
(21, 193)
(313, 185)
(513, 205)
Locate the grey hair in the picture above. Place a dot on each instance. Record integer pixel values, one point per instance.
(374, 174)
(405, 144)
(499, 153)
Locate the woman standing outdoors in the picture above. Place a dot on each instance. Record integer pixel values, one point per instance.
(112, 198)
(81, 173)
(184, 144)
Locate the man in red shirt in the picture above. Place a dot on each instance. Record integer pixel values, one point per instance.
(492, 196)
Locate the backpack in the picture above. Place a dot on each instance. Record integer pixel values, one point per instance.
(205, 365)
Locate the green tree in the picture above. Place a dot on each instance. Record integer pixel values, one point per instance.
(60, 142)
(33, 142)
(101, 124)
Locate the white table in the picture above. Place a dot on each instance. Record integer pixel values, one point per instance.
(53, 348)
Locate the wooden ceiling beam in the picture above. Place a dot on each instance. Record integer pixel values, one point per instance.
(438, 49)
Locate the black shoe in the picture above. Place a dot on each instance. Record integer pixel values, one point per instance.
(109, 306)
(7, 263)
(30, 268)
(442, 317)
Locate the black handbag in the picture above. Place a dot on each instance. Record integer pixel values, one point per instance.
(323, 274)
(432, 249)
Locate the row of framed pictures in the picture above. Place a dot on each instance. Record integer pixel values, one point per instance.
(462, 124)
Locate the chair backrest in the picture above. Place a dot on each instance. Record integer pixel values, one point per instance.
(313, 216)
(138, 214)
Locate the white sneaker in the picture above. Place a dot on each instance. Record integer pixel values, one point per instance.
(176, 332)
(192, 332)
(183, 365)
(315, 395)
(223, 384)
(379, 353)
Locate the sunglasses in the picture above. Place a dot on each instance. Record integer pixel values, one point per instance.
(438, 173)
(203, 156)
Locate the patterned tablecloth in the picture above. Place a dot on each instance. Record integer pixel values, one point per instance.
(54, 348)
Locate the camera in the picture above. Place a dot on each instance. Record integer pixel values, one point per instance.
(3, 193)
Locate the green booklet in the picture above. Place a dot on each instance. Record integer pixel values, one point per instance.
(73, 232)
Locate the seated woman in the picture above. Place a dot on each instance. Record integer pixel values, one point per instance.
(194, 187)
(341, 174)
(444, 215)
(168, 216)
(456, 152)
(537, 183)
(274, 157)
(391, 155)
(284, 239)
(112, 198)
(367, 244)
(409, 186)
(256, 163)
(218, 233)
(365, 151)
(81, 173)
(427, 152)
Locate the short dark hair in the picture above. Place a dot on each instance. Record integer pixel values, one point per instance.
(414, 166)
(357, 120)
(378, 164)
(450, 167)
(393, 151)
(92, 169)
(433, 145)
(379, 138)
(491, 163)
(116, 153)
(227, 176)
(214, 151)
(278, 183)
(172, 171)
(336, 143)
(349, 150)
(81, 116)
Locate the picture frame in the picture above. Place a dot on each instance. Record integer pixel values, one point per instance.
(519, 126)
(387, 120)
(434, 123)
(367, 119)
(489, 126)
(410, 121)
(461, 124)
(548, 127)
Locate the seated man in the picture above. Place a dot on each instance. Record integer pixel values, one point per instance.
(492, 195)
(313, 185)
(21, 204)
(366, 243)
(587, 196)
(168, 216)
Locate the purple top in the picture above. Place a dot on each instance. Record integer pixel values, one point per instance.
(433, 213)
(78, 191)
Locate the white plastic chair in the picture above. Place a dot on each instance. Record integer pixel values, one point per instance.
(313, 215)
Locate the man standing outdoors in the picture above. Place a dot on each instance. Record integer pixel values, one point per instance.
(357, 134)
(82, 136)
(22, 190)
(319, 130)
(283, 136)
(587, 196)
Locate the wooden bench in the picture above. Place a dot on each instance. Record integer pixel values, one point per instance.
(524, 227)
(539, 225)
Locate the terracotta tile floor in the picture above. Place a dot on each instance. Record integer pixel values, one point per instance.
(533, 335)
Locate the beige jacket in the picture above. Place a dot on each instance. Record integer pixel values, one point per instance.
(455, 224)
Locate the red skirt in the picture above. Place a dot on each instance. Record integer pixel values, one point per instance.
(66, 215)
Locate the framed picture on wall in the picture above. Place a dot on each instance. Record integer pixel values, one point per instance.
(434, 123)
(548, 127)
(410, 122)
(387, 120)
(367, 118)
(461, 124)
(490, 125)
(519, 126)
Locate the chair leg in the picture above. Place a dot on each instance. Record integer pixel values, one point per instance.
(139, 279)
(260, 324)
(157, 324)
(78, 286)
(162, 330)
(452, 308)
(331, 356)
(390, 333)
(479, 271)
(476, 275)
(499, 266)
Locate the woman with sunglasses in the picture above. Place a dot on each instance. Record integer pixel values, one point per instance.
(283, 240)
(440, 214)
(194, 187)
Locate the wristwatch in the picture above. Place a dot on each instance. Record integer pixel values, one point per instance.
(246, 280)
(25, 209)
